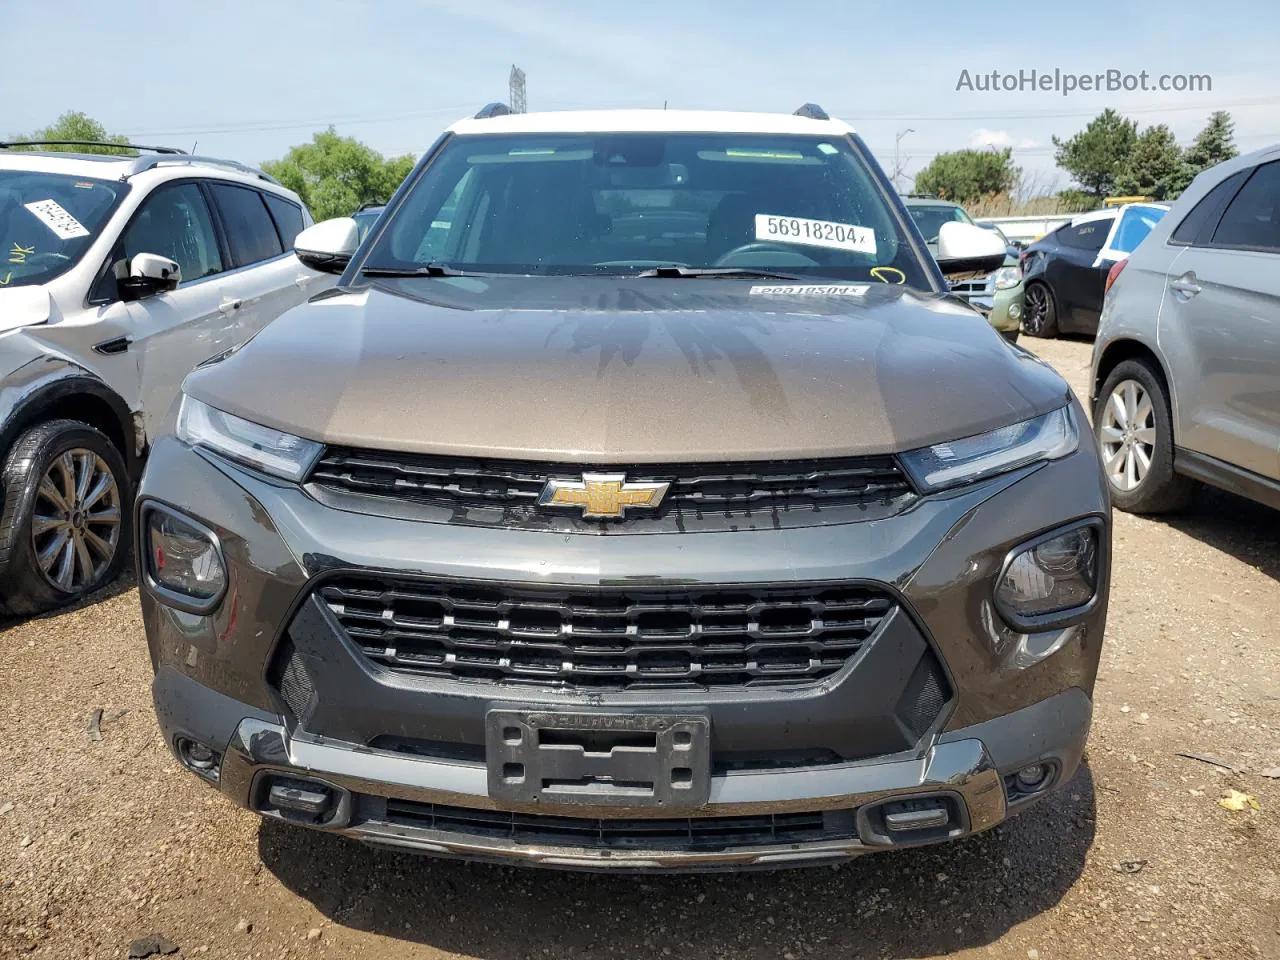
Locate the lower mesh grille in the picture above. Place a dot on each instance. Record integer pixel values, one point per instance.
(293, 682)
(926, 694)
(683, 833)
(607, 637)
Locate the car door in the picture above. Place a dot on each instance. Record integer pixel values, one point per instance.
(290, 220)
(260, 281)
(169, 333)
(1223, 309)
(1077, 278)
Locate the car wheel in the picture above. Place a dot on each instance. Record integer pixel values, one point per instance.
(1134, 428)
(64, 530)
(1039, 315)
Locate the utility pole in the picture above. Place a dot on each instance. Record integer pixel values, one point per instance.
(897, 163)
(517, 94)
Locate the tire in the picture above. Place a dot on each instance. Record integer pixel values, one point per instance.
(1039, 312)
(1133, 423)
(97, 548)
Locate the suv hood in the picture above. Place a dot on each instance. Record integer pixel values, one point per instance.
(23, 307)
(624, 371)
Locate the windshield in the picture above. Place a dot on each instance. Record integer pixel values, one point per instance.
(931, 218)
(621, 203)
(48, 221)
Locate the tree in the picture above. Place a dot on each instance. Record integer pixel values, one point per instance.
(74, 125)
(334, 175)
(1212, 145)
(1074, 201)
(964, 176)
(1155, 166)
(1099, 153)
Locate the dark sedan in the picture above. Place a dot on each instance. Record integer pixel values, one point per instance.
(1066, 271)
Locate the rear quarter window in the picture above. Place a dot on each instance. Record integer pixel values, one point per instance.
(1198, 225)
(287, 216)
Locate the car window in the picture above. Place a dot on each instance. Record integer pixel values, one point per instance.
(573, 204)
(251, 234)
(174, 222)
(48, 221)
(1252, 218)
(930, 218)
(288, 218)
(1135, 224)
(1198, 225)
(1090, 235)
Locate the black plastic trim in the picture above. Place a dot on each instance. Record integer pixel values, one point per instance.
(1227, 476)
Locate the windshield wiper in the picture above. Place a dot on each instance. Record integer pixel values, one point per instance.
(426, 270)
(750, 273)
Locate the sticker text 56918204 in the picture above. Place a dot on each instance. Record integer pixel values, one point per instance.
(816, 233)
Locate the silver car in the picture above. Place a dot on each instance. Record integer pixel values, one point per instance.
(1186, 366)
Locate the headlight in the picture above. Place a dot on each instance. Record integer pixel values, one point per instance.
(1049, 437)
(1007, 277)
(1050, 575)
(263, 448)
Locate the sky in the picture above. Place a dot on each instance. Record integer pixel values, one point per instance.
(246, 80)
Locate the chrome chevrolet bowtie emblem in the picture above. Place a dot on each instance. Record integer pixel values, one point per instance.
(602, 495)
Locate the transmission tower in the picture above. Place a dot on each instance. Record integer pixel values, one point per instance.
(518, 104)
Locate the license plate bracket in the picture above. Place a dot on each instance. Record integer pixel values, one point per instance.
(598, 759)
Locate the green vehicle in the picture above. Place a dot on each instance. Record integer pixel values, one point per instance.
(998, 295)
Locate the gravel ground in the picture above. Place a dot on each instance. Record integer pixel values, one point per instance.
(104, 841)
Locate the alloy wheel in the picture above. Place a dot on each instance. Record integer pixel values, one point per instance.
(1037, 306)
(1127, 435)
(75, 528)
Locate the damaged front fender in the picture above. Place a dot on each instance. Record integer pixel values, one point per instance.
(37, 385)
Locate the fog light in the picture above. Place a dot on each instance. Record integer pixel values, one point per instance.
(199, 758)
(1032, 778)
(183, 557)
(1052, 575)
(1015, 311)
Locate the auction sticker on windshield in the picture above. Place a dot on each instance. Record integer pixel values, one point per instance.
(54, 216)
(815, 290)
(816, 233)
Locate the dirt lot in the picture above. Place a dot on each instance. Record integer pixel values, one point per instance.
(105, 841)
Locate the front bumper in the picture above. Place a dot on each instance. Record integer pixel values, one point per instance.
(837, 747)
(1002, 308)
(392, 801)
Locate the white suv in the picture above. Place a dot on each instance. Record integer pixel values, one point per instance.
(118, 274)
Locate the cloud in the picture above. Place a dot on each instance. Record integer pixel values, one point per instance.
(990, 138)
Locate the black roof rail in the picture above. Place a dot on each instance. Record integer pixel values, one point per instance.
(150, 163)
(495, 109)
(7, 144)
(812, 111)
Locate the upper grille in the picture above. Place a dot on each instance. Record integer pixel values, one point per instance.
(969, 288)
(511, 487)
(606, 637)
(675, 833)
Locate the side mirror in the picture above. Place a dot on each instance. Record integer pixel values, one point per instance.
(329, 245)
(967, 249)
(149, 274)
